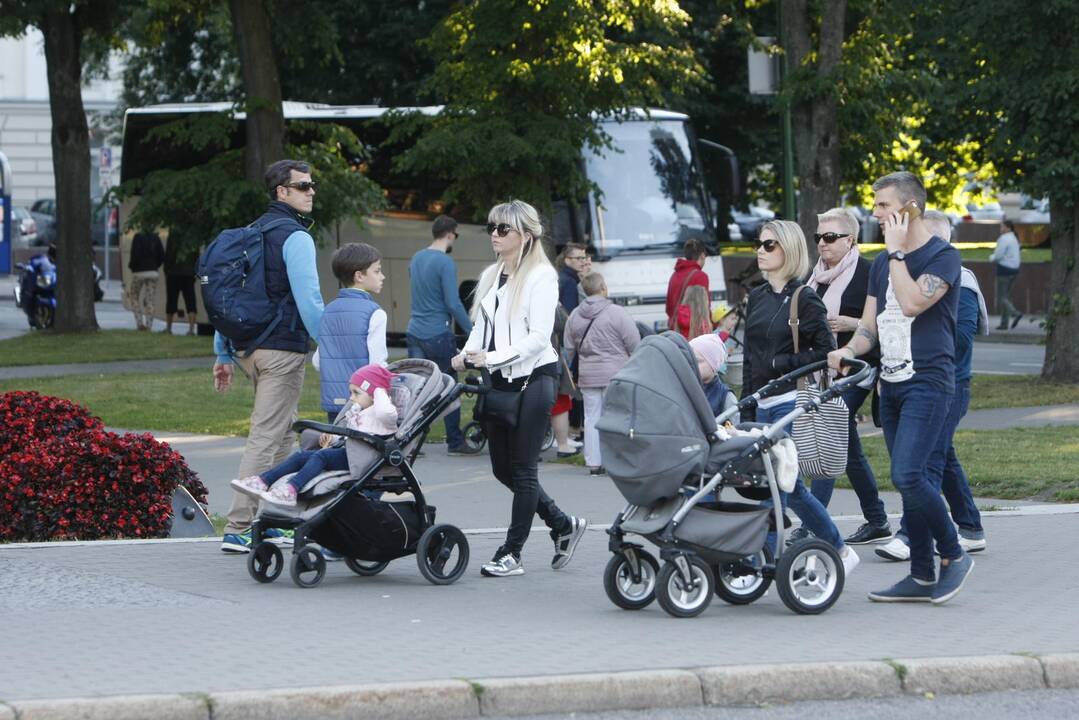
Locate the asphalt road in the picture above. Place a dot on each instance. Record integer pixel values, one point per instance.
(1041, 704)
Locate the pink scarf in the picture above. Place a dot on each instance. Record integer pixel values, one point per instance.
(837, 279)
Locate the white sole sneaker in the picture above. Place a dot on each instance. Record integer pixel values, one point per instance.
(895, 550)
(850, 560)
(972, 546)
(564, 555)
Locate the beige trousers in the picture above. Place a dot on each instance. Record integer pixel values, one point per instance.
(278, 379)
(143, 290)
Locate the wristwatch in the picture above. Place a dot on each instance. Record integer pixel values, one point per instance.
(897, 255)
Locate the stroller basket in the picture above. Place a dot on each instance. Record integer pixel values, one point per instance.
(734, 530)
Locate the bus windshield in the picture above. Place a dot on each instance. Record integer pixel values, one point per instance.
(652, 193)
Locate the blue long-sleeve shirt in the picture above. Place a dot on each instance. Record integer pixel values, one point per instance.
(435, 301)
(966, 327)
(300, 265)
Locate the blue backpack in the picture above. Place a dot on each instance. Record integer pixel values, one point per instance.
(232, 274)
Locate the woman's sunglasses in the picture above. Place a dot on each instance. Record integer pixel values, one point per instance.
(499, 229)
(829, 237)
(769, 245)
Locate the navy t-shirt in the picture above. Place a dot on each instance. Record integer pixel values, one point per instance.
(920, 348)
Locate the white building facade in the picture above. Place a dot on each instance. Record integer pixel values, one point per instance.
(26, 125)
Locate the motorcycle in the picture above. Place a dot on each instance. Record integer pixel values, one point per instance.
(35, 292)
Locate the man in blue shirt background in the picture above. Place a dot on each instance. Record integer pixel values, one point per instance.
(435, 306)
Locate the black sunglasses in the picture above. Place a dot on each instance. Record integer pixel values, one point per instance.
(302, 186)
(769, 245)
(499, 229)
(829, 237)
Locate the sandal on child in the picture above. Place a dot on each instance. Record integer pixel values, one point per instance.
(252, 486)
(281, 494)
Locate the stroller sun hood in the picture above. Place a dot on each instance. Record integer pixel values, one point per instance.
(655, 422)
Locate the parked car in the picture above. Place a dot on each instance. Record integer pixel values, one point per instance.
(104, 220)
(25, 227)
(749, 221)
(990, 212)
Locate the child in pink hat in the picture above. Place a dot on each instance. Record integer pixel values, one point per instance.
(370, 410)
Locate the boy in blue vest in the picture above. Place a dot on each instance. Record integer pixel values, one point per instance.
(352, 332)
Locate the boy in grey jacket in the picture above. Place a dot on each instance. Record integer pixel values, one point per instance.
(603, 335)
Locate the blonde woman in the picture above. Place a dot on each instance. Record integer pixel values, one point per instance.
(769, 352)
(513, 317)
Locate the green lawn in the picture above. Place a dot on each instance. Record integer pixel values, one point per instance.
(1018, 464)
(49, 348)
(181, 401)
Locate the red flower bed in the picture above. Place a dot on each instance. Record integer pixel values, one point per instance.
(63, 476)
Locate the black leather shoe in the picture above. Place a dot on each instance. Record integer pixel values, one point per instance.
(1016, 321)
(868, 533)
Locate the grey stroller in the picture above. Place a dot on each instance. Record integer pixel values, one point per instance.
(659, 445)
(344, 511)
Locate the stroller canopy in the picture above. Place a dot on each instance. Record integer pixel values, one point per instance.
(656, 420)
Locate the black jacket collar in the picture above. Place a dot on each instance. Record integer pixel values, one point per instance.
(279, 208)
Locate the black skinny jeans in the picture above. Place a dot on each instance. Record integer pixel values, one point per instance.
(515, 460)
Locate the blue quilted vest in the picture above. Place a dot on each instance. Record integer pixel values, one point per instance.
(290, 334)
(342, 344)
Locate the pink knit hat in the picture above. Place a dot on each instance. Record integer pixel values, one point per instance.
(711, 348)
(371, 377)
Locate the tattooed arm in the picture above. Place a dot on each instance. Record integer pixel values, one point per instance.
(915, 296)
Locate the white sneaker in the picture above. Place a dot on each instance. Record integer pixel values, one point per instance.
(850, 560)
(505, 566)
(971, 545)
(895, 549)
(252, 486)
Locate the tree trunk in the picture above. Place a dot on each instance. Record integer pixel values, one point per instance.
(71, 170)
(1062, 342)
(815, 119)
(262, 86)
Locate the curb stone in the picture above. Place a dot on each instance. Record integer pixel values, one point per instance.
(593, 692)
(797, 682)
(1061, 670)
(391, 701)
(128, 707)
(965, 675)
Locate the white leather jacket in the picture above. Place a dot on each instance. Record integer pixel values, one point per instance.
(523, 339)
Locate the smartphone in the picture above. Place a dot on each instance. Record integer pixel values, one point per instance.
(911, 210)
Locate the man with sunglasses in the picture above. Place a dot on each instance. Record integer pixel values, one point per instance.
(276, 365)
(435, 305)
(910, 311)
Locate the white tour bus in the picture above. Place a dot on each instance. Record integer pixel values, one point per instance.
(654, 199)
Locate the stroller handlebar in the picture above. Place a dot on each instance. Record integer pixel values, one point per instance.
(375, 440)
(861, 368)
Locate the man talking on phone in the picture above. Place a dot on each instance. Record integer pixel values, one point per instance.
(910, 311)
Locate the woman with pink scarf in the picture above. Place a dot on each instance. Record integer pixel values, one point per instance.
(841, 279)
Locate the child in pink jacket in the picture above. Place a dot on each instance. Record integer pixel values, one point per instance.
(371, 411)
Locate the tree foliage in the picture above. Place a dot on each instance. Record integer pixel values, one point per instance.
(523, 84)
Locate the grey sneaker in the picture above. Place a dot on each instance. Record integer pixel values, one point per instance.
(904, 591)
(952, 578)
(504, 566)
(564, 545)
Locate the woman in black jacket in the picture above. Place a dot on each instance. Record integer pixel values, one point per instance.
(841, 279)
(769, 352)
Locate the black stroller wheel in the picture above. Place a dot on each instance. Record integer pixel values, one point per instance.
(622, 589)
(475, 437)
(366, 568)
(742, 582)
(265, 562)
(809, 576)
(308, 567)
(680, 598)
(442, 554)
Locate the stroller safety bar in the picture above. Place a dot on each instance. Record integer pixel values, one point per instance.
(373, 440)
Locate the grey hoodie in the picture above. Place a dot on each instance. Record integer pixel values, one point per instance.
(610, 341)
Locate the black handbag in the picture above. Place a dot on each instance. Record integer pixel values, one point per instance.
(498, 406)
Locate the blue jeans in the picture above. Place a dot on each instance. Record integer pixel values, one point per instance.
(440, 350)
(307, 464)
(859, 472)
(946, 467)
(812, 513)
(914, 416)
